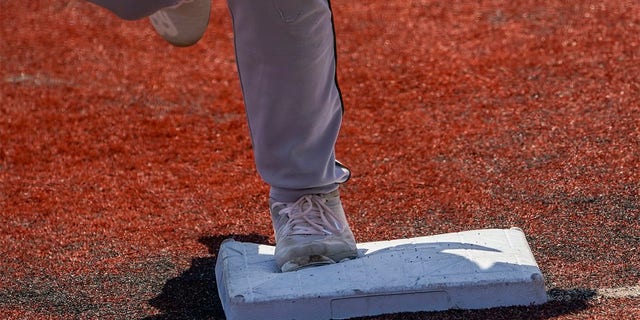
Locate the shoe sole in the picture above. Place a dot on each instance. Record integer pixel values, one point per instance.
(305, 262)
(184, 25)
(310, 261)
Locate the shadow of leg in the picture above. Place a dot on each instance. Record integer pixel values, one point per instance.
(194, 294)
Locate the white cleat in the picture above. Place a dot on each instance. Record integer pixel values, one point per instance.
(311, 231)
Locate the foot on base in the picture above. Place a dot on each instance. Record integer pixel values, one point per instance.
(311, 231)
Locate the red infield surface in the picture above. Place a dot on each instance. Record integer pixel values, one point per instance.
(124, 162)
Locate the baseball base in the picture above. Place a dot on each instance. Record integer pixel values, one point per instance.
(465, 270)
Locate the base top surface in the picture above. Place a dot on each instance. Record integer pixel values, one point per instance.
(422, 264)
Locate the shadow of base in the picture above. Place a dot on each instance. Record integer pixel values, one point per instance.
(194, 295)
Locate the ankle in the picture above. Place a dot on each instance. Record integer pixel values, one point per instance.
(285, 195)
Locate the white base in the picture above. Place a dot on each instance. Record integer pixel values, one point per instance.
(466, 270)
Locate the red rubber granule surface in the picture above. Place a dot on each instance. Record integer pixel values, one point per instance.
(124, 162)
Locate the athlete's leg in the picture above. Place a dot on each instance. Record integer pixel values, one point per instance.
(286, 59)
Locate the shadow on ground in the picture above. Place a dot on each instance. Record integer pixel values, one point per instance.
(194, 295)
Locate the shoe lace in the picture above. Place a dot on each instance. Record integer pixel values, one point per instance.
(310, 215)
